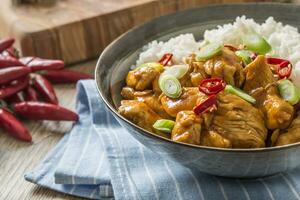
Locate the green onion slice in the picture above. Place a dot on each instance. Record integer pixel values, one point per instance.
(256, 43)
(209, 51)
(164, 125)
(159, 67)
(170, 86)
(238, 92)
(245, 56)
(289, 91)
(176, 70)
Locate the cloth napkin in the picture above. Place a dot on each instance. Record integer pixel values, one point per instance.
(99, 159)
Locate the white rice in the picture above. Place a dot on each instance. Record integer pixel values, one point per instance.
(180, 46)
(284, 39)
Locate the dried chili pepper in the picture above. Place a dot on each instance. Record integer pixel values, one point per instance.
(8, 61)
(284, 67)
(13, 88)
(44, 111)
(44, 87)
(65, 76)
(165, 59)
(13, 73)
(38, 64)
(16, 98)
(211, 86)
(206, 105)
(31, 94)
(6, 43)
(13, 126)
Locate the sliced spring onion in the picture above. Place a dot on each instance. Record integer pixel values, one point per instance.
(176, 70)
(256, 43)
(170, 86)
(164, 125)
(238, 92)
(245, 56)
(289, 91)
(159, 67)
(209, 51)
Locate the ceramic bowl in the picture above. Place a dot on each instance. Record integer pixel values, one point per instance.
(116, 60)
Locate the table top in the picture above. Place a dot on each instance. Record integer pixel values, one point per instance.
(17, 157)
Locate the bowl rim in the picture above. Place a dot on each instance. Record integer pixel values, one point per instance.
(163, 139)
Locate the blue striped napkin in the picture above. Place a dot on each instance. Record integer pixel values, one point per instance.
(99, 159)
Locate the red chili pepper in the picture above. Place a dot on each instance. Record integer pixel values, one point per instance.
(65, 76)
(165, 59)
(13, 88)
(253, 55)
(44, 111)
(38, 64)
(13, 73)
(16, 98)
(13, 126)
(31, 94)
(8, 61)
(232, 48)
(284, 68)
(205, 105)
(6, 43)
(44, 87)
(211, 86)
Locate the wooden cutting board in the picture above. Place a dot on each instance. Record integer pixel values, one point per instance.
(76, 30)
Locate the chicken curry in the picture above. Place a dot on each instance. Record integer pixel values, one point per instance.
(221, 96)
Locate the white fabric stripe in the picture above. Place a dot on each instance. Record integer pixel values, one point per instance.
(267, 188)
(221, 188)
(125, 165)
(93, 193)
(80, 158)
(290, 186)
(114, 151)
(101, 160)
(122, 156)
(148, 172)
(174, 179)
(197, 183)
(244, 189)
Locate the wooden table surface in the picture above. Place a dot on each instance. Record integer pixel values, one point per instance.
(16, 157)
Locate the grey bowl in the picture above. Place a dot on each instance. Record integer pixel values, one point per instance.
(116, 59)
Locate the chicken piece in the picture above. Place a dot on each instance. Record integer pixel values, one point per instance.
(187, 128)
(213, 139)
(198, 73)
(227, 66)
(278, 113)
(239, 122)
(189, 98)
(261, 84)
(258, 74)
(292, 135)
(129, 93)
(147, 97)
(152, 100)
(142, 78)
(139, 113)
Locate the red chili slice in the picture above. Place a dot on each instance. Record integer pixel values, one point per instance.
(205, 105)
(253, 55)
(284, 68)
(232, 48)
(165, 59)
(211, 86)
